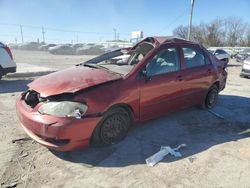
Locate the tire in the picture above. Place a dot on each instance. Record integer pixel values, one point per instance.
(212, 97)
(1, 73)
(112, 128)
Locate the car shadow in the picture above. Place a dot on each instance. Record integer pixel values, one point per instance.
(12, 86)
(18, 82)
(198, 129)
(28, 74)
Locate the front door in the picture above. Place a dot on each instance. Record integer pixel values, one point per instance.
(161, 86)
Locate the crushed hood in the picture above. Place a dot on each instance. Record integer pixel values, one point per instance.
(71, 80)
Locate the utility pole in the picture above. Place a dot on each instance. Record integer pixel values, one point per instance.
(115, 33)
(43, 32)
(21, 29)
(190, 20)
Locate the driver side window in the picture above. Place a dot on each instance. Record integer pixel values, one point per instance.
(165, 61)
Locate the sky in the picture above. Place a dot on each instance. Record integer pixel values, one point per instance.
(67, 21)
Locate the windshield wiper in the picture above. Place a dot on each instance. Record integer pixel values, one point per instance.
(91, 65)
(94, 66)
(99, 67)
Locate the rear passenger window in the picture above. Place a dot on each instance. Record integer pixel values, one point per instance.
(193, 57)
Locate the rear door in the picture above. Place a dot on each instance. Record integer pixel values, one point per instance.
(197, 73)
(160, 90)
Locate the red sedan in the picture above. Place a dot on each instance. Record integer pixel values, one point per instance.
(97, 101)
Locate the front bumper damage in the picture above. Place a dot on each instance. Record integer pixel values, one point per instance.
(61, 134)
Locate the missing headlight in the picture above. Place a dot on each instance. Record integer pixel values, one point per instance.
(31, 98)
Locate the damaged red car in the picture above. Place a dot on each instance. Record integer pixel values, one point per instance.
(99, 100)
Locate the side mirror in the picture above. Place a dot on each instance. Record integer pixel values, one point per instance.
(145, 75)
(144, 72)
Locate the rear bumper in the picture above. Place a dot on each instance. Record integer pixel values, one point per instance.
(9, 70)
(61, 134)
(223, 80)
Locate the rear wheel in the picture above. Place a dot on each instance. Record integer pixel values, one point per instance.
(112, 128)
(212, 97)
(1, 73)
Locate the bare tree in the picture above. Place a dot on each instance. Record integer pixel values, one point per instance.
(199, 34)
(214, 33)
(247, 42)
(181, 31)
(220, 32)
(235, 30)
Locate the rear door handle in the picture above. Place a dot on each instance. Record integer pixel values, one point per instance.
(209, 71)
(179, 78)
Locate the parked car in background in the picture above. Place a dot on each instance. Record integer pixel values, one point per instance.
(29, 46)
(7, 64)
(111, 48)
(77, 45)
(242, 55)
(13, 46)
(89, 50)
(221, 55)
(245, 71)
(63, 49)
(98, 101)
(45, 47)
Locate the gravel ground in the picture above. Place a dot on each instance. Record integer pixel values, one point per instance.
(217, 152)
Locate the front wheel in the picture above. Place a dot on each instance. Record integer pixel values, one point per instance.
(212, 97)
(112, 128)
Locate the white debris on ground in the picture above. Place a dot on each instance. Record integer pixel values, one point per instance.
(165, 150)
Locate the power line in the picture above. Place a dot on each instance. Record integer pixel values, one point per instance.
(63, 30)
(174, 20)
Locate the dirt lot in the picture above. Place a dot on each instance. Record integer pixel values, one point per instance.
(217, 152)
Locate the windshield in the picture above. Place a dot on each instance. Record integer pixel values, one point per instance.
(120, 61)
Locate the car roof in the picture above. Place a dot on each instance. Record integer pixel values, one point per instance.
(159, 40)
(166, 39)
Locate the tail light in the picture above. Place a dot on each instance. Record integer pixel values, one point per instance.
(8, 51)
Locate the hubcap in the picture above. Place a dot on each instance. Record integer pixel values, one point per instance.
(212, 98)
(113, 129)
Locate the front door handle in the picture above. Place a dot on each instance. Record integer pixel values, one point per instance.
(209, 71)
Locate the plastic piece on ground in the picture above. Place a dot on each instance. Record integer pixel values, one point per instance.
(165, 150)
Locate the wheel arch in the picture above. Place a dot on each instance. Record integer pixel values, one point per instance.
(94, 140)
(126, 107)
(217, 84)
